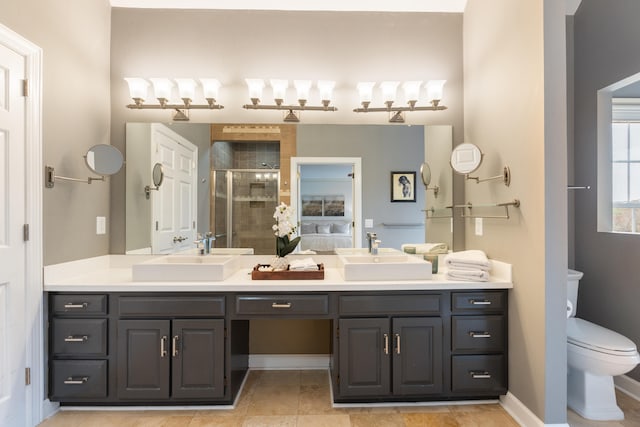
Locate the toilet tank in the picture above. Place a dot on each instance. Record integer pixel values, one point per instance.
(573, 281)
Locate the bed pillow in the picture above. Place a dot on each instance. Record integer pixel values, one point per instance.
(308, 228)
(340, 228)
(323, 228)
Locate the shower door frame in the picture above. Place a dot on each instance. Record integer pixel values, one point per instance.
(228, 232)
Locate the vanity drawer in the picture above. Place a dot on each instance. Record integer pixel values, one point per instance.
(478, 333)
(182, 306)
(78, 304)
(392, 304)
(282, 304)
(79, 337)
(484, 373)
(78, 379)
(478, 301)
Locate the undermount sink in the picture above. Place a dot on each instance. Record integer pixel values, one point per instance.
(365, 251)
(185, 268)
(385, 266)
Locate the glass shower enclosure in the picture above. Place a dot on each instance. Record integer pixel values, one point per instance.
(243, 203)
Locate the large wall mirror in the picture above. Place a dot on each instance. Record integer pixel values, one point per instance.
(227, 179)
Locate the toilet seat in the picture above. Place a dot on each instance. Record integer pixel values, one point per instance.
(585, 334)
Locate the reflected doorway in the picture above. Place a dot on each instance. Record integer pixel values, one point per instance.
(338, 198)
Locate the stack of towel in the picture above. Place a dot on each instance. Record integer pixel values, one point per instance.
(303, 264)
(470, 265)
(424, 248)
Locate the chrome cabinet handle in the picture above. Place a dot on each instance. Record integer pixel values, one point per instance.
(72, 305)
(386, 343)
(476, 334)
(163, 349)
(479, 302)
(73, 381)
(397, 343)
(476, 375)
(174, 346)
(281, 305)
(72, 338)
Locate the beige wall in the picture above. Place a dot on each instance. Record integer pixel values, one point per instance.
(75, 38)
(515, 112)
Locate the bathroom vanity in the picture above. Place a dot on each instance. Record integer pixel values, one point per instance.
(119, 342)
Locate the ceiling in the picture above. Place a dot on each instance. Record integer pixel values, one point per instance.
(327, 5)
(455, 6)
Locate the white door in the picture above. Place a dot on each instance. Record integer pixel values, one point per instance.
(174, 213)
(13, 339)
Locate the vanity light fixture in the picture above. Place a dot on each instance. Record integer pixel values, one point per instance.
(279, 89)
(411, 91)
(163, 88)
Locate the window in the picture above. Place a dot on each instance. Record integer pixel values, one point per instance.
(625, 168)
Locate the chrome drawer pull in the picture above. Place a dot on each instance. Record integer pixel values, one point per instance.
(479, 302)
(174, 346)
(281, 305)
(477, 375)
(71, 338)
(72, 305)
(72, 381)
(397, 343)
(386, 343)
(163, 349)
(474, 334)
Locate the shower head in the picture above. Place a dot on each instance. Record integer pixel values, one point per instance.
(269, 166)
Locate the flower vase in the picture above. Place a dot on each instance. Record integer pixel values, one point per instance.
(279, 263)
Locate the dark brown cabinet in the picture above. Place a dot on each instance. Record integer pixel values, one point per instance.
(161, 348)
(79, 361)
(400, 356)
(478, 343)
(177, 359)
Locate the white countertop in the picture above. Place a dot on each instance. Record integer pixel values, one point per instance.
(112, 273)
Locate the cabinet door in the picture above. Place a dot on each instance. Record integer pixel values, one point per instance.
(417, 355)
(197, 349)
(365, 347)
(143, 359)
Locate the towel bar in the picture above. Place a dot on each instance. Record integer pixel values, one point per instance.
(514, 203)
(433, 211)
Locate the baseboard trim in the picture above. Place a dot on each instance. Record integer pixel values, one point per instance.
(522, 414)
(49, 408)
(628, 386)
(289, 361)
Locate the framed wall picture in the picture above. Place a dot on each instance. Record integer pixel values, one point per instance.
(403, 186)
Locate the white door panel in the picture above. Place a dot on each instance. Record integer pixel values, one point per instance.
(12, 247)
(174, 209)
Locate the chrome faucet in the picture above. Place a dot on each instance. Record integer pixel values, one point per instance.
(207, 242)
(371, 237)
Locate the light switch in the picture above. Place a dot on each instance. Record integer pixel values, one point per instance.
(478, 226)
(101, 225)
(368, 223)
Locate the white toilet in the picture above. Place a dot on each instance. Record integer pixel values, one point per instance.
(594, 355)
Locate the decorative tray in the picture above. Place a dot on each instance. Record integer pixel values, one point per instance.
(287, 274)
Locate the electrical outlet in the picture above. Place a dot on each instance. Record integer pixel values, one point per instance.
(478, 226)
(368, 223)
(101, 225)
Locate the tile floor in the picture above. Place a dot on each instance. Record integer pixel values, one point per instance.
(302, 399)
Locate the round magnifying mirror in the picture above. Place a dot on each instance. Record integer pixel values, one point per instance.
(425, 173)
(466, 158)
(158, 174)
(104, 159)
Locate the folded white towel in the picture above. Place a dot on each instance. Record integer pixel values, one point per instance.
(468, 260)
(304, 264)
(469, 275)
(424, 248)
